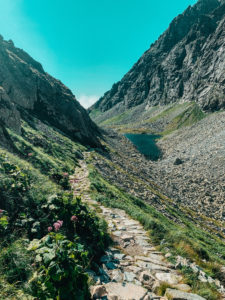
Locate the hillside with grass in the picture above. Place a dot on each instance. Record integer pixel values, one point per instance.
(49, 238)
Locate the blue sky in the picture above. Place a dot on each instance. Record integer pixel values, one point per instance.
(87, 44)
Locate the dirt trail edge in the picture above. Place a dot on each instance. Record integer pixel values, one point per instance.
(132, 269)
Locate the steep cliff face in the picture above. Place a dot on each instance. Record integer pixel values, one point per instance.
(186, 63)
(26, 89)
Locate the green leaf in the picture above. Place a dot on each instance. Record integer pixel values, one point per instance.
(38, 258)
(47, 257)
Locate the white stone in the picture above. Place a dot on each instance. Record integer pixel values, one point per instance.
(175, 294)
(168, 278)
(126, 291)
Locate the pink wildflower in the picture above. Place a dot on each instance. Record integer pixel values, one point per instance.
(30, 154)
(74, 218)
(65, 174)
(1, 211)
(50, 228)
(33, 265)
(57, 225)
(60, 222)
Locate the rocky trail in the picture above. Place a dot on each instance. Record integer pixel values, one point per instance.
(132, 268)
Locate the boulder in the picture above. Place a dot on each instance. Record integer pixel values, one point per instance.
(98, 291)
(126, 291)
(179, 295)
(147, 279)
(178, 162)
(168, 278)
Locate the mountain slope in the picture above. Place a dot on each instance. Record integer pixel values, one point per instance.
(43, 132)
(185, 64)
(26, 89)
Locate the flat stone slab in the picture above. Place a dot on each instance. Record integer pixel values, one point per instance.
(127, 238)
(130, 223)
(152, 266)
(126, 291)
(117, 233)
(154, 260)
(129, 276)
(117, 276)
(168, 278)
(141, 242)
(119, 256)
(178, 295)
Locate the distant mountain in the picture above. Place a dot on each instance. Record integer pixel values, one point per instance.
(26, 90)
(187, 63)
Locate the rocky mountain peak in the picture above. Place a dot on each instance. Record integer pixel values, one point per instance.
(186, 63)
(25, 88)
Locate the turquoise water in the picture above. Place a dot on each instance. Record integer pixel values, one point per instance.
(146, 144)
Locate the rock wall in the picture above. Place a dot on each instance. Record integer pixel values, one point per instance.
(186, 63)
(26, 88)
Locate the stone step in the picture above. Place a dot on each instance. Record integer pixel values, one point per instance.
(125, 291)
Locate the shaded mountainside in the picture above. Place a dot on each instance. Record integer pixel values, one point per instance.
(185, 64)
(26, 89)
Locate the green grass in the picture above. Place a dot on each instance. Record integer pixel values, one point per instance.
(95, 113)
(168, 111)
(178, 115)
(188, 117)
(187, 240)
(115, 120)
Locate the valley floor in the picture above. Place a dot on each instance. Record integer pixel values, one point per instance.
(191, 170)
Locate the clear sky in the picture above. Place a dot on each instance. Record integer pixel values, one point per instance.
(87, 44)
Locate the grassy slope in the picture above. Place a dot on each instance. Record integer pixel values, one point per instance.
(34, 191)
(187, 240)
(173, 117)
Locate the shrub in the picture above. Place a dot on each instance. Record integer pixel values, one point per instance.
(60, 268)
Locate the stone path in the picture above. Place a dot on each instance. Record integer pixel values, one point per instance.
(132, 268)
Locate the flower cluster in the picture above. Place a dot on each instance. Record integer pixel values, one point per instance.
(57, 225)
(30, 154)
(74, 219)
(2, 212)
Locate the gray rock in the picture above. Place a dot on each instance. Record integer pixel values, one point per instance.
(129, 276)
(179, 295)
(119, 256)
(168, 278)
(182, 64)
(127, 238)
(26, 89)
(117, 276)
(98, 292)
(126, 291)
(178, 162)
(147, 279)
